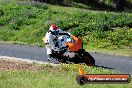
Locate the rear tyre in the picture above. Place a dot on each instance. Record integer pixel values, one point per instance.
(86, 57)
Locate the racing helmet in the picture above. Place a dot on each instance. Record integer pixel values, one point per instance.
(54, 29)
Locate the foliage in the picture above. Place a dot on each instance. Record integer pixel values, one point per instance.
(118, 38)
(28, 22)
(51, 77)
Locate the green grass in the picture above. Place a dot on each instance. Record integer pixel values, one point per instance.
(121, 52)
(27, 23)
(116, 42)
(63, 76)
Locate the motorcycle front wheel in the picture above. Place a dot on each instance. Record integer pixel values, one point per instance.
(86, 57)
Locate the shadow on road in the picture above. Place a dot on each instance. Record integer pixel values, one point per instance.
(104, 67)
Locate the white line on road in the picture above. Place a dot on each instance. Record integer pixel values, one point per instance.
(26, 60)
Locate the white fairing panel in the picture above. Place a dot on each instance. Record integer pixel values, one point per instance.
(69, 54)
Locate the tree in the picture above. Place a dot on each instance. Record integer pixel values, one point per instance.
(120, 4)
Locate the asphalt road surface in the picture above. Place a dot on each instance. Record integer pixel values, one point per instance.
(119, 63)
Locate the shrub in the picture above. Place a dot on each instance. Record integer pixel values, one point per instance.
(1, 12)
(98, 27)
(16, 23)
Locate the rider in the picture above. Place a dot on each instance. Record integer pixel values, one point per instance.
(51, 40)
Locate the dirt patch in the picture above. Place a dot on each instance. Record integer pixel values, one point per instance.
(13, 65)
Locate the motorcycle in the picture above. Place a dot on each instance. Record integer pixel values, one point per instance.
(71, 50)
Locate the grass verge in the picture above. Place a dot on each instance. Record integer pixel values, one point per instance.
(25, 75)
(121, 52)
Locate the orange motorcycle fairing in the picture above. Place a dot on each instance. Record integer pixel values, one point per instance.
(76, 45)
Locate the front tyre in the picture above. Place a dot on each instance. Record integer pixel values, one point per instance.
(86, 57)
